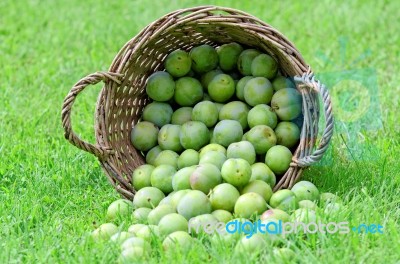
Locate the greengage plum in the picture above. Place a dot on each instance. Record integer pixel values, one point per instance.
(144, 135)
(157, 113)
(160, 86)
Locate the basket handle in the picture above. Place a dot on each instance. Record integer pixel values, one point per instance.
(70, 135)
(308, 80)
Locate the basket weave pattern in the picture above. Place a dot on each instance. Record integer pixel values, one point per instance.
(123, 96)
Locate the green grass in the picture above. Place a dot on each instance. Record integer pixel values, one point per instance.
(52, 194)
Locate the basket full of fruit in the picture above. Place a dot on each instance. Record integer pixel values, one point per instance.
(202, 97)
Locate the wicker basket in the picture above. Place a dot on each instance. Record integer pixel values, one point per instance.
(123, 96)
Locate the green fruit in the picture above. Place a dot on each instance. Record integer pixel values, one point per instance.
(213, 157)
(308, 204)
(245, 60)
(181, 179)
(250, 204)
(207, 78)
(167, 157)
(221, 88)
(120, 237)
(172, 223)
(227, 132)
(200, 223)
(182, 115)
(204, 58)
(188, 158)
(222, 215)
(157, 113)
(258, 91)
(285, 200)
(333, 208)
(205, 112)
(179, 239)
(167, 199)
(159, 212)
(140, 215)
(136, 242)
(240, 87)
(260, 187)
(144, 135)
(148, 197)
(148, 232)
(278, 159)
(194, 203)
(188, 91)
(264, 66)
(252, 245)
(194, 135)
(133, 254)
(287, 104)
(119, 209)
(236, 172)
(168, 138)
(262, 115)
(243, 150)
(152, 154)
(141, 176)
(262, 137)
(224, 197)
(176, 197)
(260, 171)
(161, 178)
(104, 231)
(205, 177)
(211, 147)
(287, 134)
(235, 110)
(305, 190)
(160, 86)
(327, 198)
(178, 63)
(281, 82)
(304, 215)
(228, 55)
(276, 214)
(133, 229)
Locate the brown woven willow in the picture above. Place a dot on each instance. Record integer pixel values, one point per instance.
(123, 96)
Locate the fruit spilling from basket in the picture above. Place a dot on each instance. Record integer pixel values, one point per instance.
(220, 129)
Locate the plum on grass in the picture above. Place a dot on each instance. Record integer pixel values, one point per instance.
(278, 159)
(206, 112)
(168, 138)
(118, 210)
(264, 66)
(181, 115)
(285, 200)
(221, 88)
(287, 134)
(305, 190)
(157, 113)
(262, 114)
(276, 214)
(139, 215)
(144, 135)
(224, 197)
(148, 197)
(178, 240)
(235, 110)
(178, 63)
(194, 203)
(141, 176)
(194, 135)
(222, 215)
(250, 204)
(160, 86)
(287, 104)
(258, 90)
(188, 91)
(260, 187)
(204, 58)
(236, 172)
(262, 137)
(161, 178)
(205, 177)
(171, 223)
(227, 132)
(159, 212)
(104, 231)
(228, 55)
(245, 60)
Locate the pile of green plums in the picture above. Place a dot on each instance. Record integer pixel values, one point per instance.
(220, 129)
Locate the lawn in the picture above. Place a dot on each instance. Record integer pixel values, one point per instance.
(52, 194)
